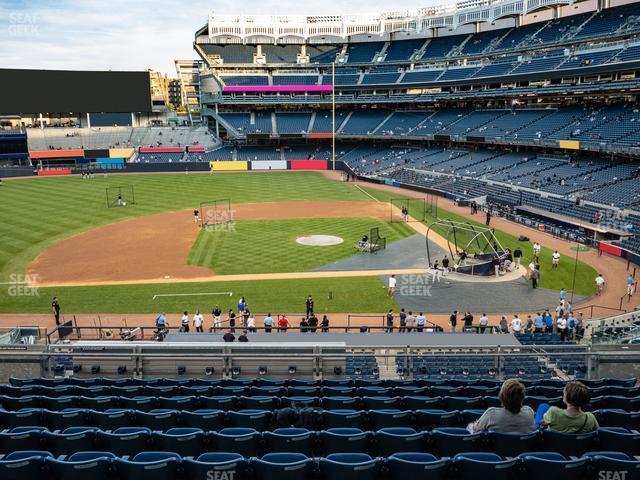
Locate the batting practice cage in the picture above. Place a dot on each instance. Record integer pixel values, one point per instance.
(215, 212)
(376, 242)
(417, 209)
(120, 196)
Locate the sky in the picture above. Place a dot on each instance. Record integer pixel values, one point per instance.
(134, 34)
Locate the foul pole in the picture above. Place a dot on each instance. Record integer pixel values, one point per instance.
(333, 115)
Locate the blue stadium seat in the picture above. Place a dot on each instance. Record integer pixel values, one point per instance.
(70, 440)
(570, 444)
(389, 418)
(338, 391)
(471, 466)
(159, 419)
(149, 466)
(354, 466)
(552, 466)
(125, 440)
(339, 402)
(22, 465)
(218, 402)
(286, 466)
(398, 439)
(618, 462)
(407, 465)
(430, 419)
(110, 419)
(512, 444)
(212, 462)
(343, 418)
(258, 419)
(82, 466)
(206, 419)
(21, 418)
(463, 403)
(337, 440)
(176, 403)
(259, 402)
(186, 442)
(417, 402)
(64, 419)
(295, 440)
(380, 403)
(450, 441)
(20, 438)
(618, 418)
(619, 439)
(244, 441)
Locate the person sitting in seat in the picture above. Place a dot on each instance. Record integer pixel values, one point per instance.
(512, 417)
(572, 419)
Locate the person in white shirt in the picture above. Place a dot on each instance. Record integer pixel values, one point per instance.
(536, 251)
(516, 324)
(421, 321)
(197, 321)
(561, 324)
(185, 323)
(555, 259)
(251, 323)
(600, 283)
(484, 323)
(392, 285)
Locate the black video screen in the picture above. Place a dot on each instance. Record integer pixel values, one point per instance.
(61, 91)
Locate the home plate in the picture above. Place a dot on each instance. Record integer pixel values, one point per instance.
(319, 240)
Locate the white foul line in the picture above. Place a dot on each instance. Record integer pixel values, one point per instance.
(190, 294)
(13, 283)
(367, 193)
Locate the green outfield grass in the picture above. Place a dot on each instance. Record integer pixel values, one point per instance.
(38, 212)
(553, 279)
(349, 294)
(270, 245)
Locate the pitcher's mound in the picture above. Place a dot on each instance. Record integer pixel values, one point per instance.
(319, 240)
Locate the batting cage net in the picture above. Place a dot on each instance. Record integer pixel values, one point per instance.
(376, 242)
(413, 209)
(215, 212)
(120, 196)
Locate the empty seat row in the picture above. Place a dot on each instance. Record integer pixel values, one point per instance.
(248, 382)
(281, 391)
(158, 465)
(270, 402)
(445, 441)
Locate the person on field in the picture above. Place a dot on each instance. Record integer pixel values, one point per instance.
(536, 251)
(517, 256)
(55, 308)
(631, 286)
(309, 305)
(392, 285)
(196, 216)
(555, 260)
(600, 283)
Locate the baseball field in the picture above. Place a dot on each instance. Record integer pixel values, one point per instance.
(59, 237)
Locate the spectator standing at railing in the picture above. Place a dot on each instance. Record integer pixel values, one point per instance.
(217, 314)
(484, 323)
(325, 324)
(283, 323)
(232, 320)
(389, 318)
(251, 323)
(268, 323)
(313, 323)
(539, 323)
(197, 321)
(421, 321)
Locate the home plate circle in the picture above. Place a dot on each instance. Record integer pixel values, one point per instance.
(319, 240)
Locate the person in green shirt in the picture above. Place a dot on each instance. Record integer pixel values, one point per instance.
(572, 419)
